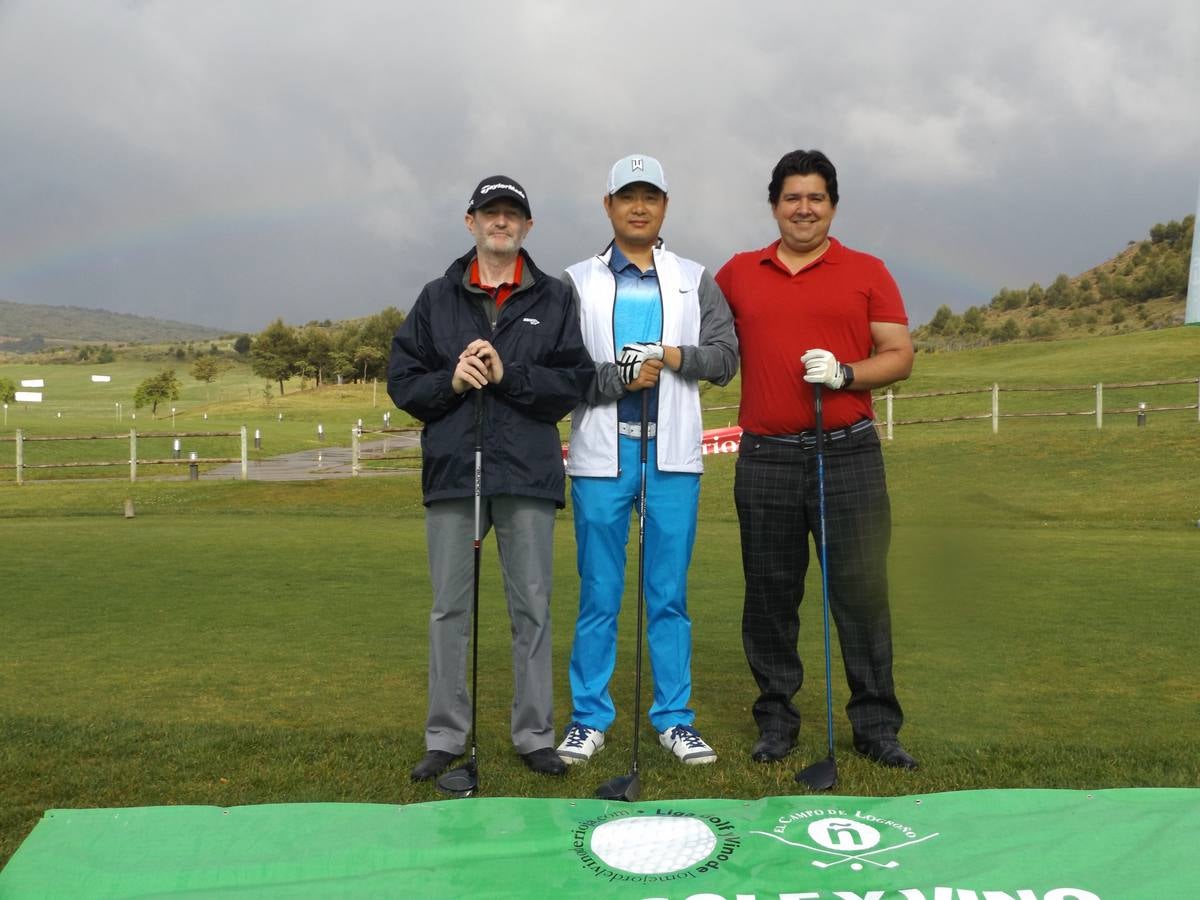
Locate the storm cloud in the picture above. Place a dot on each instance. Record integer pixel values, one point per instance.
(226, 163)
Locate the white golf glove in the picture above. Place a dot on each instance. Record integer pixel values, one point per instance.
(822, 367)
(631, 357)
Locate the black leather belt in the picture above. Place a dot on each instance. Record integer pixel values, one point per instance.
(808, 439)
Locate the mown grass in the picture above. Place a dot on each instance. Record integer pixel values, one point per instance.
(240, 643)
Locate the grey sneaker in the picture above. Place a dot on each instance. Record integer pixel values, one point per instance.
(685, 742)
(580, 743)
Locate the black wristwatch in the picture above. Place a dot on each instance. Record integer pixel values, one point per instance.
(847, 377)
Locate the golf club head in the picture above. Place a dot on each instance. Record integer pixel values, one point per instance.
(626, 788)
(460, 782)
(820, 776)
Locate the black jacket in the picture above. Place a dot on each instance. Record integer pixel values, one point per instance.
(546, 373)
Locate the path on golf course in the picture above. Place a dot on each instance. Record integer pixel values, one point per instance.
(322, 462)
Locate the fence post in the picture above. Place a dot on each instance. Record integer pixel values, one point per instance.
(995, 408)
(354, 433)
(889, 414)
(133, 454)
(20, 456)
(245, 456)
(1198, 399)
(1099, 405)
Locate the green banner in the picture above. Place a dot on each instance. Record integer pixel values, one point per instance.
(1135, 844)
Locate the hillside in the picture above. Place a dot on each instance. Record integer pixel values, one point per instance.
(1143, 287)
(26, 327)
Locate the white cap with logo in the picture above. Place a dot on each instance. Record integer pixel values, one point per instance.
(636, 169)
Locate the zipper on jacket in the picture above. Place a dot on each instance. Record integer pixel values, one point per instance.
(612, 327)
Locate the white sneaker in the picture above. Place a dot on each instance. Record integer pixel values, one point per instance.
(685, 742)
(579, 743)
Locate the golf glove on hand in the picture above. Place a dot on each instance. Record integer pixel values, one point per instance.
(822, 367)
(631, 357)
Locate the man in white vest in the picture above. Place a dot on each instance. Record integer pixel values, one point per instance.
(652, 321)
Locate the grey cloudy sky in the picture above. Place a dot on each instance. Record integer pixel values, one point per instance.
(226, 162)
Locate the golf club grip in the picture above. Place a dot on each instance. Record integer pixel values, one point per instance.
(479, 420)
(645, 422)
(819, 416)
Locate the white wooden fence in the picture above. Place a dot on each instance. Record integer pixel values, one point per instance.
(193, 461)
(721, 440)
(887, 420)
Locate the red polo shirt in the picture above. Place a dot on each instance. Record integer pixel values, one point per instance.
(499, 292)
(830, 304)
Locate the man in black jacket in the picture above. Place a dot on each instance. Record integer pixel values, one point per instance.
(493, 330)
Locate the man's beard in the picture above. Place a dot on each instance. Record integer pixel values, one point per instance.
(502, 242)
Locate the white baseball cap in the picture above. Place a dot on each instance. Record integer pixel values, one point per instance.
(635, 169)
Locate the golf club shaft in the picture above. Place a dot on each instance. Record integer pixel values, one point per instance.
(637, 668)
(478, 566)
(820, 425)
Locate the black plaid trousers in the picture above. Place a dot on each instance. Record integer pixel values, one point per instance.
(775, 490)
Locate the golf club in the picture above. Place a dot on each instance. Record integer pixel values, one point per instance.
(822, 775)
(629, 787)
(464, 781)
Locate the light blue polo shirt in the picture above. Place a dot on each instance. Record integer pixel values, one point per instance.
(637, 316)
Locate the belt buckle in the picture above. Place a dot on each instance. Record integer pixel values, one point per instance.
(634, 429)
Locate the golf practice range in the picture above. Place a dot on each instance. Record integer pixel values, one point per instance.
(224, 693)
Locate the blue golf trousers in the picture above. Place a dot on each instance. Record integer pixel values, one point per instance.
(602, 531)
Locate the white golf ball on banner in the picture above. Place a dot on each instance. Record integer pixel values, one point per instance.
(652, 845)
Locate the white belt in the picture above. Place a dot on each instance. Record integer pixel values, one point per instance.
(634, 429)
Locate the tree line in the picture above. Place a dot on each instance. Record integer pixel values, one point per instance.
(318, 352)
(325, 351)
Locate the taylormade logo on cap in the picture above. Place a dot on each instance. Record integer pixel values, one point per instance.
(496, 186)
(488, 188)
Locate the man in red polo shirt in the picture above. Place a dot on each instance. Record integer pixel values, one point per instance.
(809, 310)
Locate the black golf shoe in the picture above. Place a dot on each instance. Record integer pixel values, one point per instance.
(886, 752)
(433, 764)
(771, 747)
(545, 761)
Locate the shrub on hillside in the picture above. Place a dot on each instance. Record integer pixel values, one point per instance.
(1043, 328)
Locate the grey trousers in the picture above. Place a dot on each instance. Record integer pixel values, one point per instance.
(525, 537)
